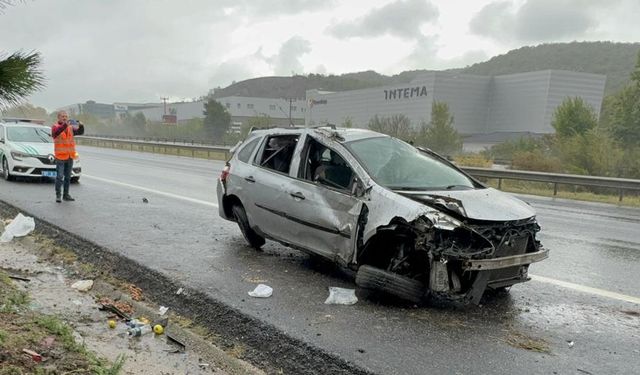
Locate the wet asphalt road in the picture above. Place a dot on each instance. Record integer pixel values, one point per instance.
(587, 293)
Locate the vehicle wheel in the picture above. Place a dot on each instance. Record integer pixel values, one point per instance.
(254, 239)
(75, 180)
(369, 277)
(5, 170)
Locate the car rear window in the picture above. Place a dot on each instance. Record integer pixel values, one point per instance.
(245, 153)
(278, 152)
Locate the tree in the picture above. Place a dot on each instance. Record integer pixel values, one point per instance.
(398, 126)
(216, 119)
(19, 77)
(624, 112)
(573, 117)
(440, 135)
(27, 110)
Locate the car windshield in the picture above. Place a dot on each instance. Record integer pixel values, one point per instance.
(29, 134)
(400, 166)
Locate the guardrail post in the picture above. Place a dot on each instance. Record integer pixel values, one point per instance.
(499, 183)
(621, 195)
(555, 189)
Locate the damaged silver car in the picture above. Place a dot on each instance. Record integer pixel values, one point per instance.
(408, 221)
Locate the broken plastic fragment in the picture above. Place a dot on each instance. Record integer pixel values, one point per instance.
(179, 291)
(19, 227)
(261, 291)
(163, 310)
(341, 296)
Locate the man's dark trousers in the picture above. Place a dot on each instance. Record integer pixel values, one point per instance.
(63, 171)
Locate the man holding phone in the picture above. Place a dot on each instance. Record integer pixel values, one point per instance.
(62, 133)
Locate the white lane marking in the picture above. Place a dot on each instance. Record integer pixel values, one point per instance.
(564, 284)
(587, 289)
(163, 193)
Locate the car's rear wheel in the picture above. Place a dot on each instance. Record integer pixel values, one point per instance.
(403, 287)
(254, 239)
(5, 170)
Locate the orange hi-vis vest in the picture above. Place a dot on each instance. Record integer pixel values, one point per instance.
(65, 145)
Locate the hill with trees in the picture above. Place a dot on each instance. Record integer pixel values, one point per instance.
(615, 60)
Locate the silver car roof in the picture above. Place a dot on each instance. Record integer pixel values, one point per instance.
(345, 134)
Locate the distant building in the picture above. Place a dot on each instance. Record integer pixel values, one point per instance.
(515, 103)
(240, 108)
(90, 107)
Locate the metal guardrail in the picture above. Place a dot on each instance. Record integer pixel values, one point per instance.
(620, 184)
(222, 153)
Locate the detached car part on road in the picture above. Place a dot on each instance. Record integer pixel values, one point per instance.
(26, 150)
(411, 223)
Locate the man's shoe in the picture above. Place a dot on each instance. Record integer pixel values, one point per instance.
(68, 198)
(58, 199)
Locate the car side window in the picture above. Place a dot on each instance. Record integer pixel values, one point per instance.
(278, 152)
(247, 150)
(326, 167)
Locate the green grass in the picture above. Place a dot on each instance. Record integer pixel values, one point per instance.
(565, 192)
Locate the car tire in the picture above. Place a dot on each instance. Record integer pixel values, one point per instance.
(74, 180)
(5, 170)
(254, 239)
(405, 288)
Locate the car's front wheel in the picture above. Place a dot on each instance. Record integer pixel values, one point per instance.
(5, 170)
(254, 239)
(403, 287)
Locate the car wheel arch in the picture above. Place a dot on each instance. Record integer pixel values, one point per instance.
(228, 201)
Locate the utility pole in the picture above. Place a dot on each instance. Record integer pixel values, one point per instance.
(290, 103)
(164, 100)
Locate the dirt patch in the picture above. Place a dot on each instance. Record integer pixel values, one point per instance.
(48, 327)
(524, 341)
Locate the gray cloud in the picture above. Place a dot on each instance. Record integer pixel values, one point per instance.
(272, 7)
(425, 56)
(287, 61)
(402, 18)
(535, 20)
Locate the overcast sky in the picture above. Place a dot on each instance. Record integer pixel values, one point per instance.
(141, 50)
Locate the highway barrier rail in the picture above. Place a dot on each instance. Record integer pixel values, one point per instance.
(222, 153)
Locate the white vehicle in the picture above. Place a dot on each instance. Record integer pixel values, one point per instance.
(26, 150)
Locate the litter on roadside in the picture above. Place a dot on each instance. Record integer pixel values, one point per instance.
(19, 227)
(172, 340)
(35, 356)
(179, 292)
(163, 310)
(341, 296)
(261, 291)
(83, 285)
(19, 278)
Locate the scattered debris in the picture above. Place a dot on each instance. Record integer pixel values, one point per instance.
(35, 356)
(163, 310)
(158, 329)
(135, 292)
(584, 371)
(121, 309)
(523, 341)
(179, 292)
(145, 200)
(112, 323)
(341, 296)
(83, 285)
(570, 343)
(19, 227)
(172, 340)
(261, 291)
(631, 312)
(139, 331)
(19, 278)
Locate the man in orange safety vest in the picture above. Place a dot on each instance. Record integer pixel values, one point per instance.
(62, 133)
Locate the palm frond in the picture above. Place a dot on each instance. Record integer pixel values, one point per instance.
(19, 77)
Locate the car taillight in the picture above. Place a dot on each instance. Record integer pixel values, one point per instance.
(225, 173)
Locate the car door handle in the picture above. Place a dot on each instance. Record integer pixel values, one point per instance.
(250, 179)
(297, 195)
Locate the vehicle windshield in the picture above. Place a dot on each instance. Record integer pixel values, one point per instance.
(400, 166)
(29, 134)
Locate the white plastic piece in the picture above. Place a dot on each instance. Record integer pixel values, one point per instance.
(341, 296)
(262, 291)
(83, 285)
(163, 310)
(19, 227)
(179, 292)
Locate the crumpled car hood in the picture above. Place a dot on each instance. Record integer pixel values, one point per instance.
(478, 204)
